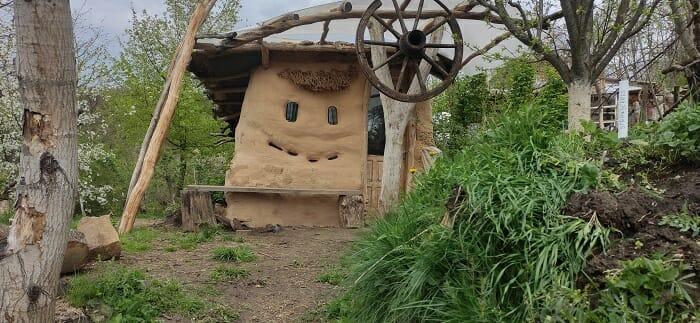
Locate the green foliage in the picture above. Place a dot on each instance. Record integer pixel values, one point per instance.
(680, 132)
(332, 276)
(190, 154)
(227, 273)
(127, 295)
(646, 290)
(139, 240)
(462, 105)
(234, 254)
(509, 247)
(6, 217)
(683, 221)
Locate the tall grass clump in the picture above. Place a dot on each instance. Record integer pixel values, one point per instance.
(510, 246)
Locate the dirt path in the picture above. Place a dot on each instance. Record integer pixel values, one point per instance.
(282, 285)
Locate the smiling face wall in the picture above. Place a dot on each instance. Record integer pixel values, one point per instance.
(308, 153)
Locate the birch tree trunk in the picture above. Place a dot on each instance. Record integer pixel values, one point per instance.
(31, 262)
(579, 103)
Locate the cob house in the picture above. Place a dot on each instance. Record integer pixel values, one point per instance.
(308, 126)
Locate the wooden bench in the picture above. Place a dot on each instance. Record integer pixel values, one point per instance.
(197, 207)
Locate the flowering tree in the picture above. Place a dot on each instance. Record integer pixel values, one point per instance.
(93, 62)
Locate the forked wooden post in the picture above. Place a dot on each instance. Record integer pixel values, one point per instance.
(164, 115)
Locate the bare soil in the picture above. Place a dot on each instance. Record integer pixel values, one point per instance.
(635, 214)
(282, 284)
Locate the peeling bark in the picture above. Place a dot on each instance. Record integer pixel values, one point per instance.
(36, 243)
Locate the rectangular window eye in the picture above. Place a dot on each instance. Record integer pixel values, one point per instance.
(332, 115)
(292, 111)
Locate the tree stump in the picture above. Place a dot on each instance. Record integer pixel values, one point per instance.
(76, 252)
(352, 211)
(197, 210)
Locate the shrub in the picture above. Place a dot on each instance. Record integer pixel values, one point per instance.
(6, 217)
(680, 132)
(509, 245)
(233, 254)
(646, 290)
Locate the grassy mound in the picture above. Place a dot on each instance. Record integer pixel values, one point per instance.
(510, 246)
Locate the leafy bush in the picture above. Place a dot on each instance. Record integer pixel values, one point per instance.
(680, 132)
(6, 217)
(130, 297)
(646, 290)
(683, 221)
(509, 245)
(234, 254)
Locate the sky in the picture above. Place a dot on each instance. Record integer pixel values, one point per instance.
(113, 15)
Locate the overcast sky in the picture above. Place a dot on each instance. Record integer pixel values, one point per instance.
(113, 15)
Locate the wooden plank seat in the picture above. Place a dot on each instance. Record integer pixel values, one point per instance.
(267, 190)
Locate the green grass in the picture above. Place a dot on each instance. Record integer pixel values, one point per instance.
(227, 273)
(190, 240)
(332, 276)
(139, 240)
(128, 295)
(233, 254)
(510, 245)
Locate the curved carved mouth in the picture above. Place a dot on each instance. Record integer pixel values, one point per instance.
(311, 158)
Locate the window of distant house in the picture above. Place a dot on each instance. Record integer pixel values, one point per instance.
(292, 111)
(375, 125)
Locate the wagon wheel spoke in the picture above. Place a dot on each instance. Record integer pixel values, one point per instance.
(387, 61)
(435, 65)
(420, 11)
(381, 43)
(400, 16)
(404, 5)
(401, 74)
(435, 27)
(387, 26)
(421, 80)
(433, 45)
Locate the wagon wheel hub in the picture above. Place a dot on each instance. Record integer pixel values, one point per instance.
(410, 50)
(412, 44)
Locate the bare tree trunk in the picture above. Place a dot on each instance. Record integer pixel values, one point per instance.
(579, 103)
(30, 265)
(396, 117)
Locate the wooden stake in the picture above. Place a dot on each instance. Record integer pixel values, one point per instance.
(164, 114)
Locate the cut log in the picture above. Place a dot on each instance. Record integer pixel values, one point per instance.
(101, 237)
(76, 253)
(352, 211)
(197, 210)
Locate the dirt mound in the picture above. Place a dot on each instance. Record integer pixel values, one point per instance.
(635, 215)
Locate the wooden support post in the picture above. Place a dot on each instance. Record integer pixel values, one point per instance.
(197, 210)
(166, 110)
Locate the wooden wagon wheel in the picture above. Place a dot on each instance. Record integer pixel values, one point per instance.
(411, 46)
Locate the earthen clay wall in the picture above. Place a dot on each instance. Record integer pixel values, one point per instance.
(309, 153)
